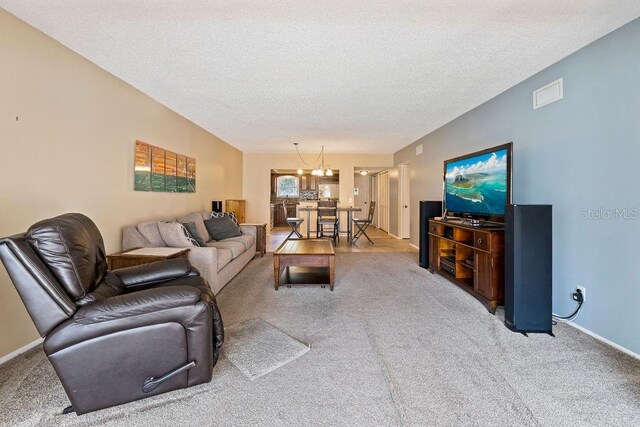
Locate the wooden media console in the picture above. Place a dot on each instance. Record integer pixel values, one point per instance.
(471, 257)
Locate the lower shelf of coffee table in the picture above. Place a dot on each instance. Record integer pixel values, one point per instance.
(304, 276)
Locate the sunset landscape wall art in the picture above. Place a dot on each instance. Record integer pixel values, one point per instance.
(160, 170)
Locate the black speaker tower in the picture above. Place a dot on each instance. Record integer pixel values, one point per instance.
(528, 268)
(428, 210)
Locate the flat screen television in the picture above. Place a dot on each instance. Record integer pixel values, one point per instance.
(478, 185)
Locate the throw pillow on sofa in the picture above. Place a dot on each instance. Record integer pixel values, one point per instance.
(231, 215)
(193, 231)
(175, 235)
(222, 228)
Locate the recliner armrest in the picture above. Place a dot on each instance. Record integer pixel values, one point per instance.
(161, 271)
(136, 303)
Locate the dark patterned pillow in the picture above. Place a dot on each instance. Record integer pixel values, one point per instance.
(175, 235)
(193, 232)
(222, 228)
(232, 215)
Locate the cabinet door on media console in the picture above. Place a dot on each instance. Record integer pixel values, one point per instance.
(482, 278)
(488, 275)
(434, 250)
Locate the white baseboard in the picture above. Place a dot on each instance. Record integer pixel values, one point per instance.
(602, 339)
(5, 359)
(414, 246)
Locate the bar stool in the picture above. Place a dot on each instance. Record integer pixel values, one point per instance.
(328, 216)
(293, 222)
(363, 224)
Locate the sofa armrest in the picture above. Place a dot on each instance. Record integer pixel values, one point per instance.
(160, 271)
(137, 303)
(251, 230)
(131, 238)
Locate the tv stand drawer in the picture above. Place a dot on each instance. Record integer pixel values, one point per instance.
(435, 228)
(482, 241)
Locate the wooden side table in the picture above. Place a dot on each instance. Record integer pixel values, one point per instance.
(261, 238)
(236, 206)
(141, 256)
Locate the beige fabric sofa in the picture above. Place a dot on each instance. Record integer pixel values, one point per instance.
(219, 262)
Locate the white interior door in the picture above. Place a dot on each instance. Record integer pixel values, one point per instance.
(383, 201)
(374, 181)
(405, 203)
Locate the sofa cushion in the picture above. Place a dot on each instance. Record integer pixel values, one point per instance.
(247, 239)
(236, 248)
(176, 235)
(150, 231)
(222, 228)
(224, 258)
(197, 219)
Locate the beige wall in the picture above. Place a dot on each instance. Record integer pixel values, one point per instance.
(72, 148)
(257, 169)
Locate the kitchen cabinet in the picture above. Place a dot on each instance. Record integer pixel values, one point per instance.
(280, 218)
(308, 182)
(335, 179)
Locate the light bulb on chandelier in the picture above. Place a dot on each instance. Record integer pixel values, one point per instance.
(319, 168)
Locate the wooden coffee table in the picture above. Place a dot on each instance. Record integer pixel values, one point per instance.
(304, 261)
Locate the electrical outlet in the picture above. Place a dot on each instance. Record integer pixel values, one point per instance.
(584, 292)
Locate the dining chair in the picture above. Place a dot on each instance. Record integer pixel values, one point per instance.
(363, 224)
(293, 222)
(328, 216)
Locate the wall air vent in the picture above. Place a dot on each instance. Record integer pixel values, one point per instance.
(547, 94)
(418, 149)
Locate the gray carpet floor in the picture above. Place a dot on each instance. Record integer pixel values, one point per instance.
(392, 345)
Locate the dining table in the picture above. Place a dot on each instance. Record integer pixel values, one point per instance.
(348, 209)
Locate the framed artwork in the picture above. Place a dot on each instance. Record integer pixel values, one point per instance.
(191, 175)
(160, 170)
(170, 169)
(181, 174)
(142, 180)
(157, 169)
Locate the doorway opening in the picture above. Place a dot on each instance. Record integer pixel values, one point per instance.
(372, 185)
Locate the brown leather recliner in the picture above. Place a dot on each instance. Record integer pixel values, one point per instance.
(112, 336)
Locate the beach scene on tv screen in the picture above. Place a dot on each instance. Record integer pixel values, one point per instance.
(477, 185)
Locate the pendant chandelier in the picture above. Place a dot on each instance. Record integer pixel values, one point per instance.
(318, 165)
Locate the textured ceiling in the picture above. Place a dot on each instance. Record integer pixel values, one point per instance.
(356, 76)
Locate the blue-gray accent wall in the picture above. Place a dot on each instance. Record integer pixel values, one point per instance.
(581, 154)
